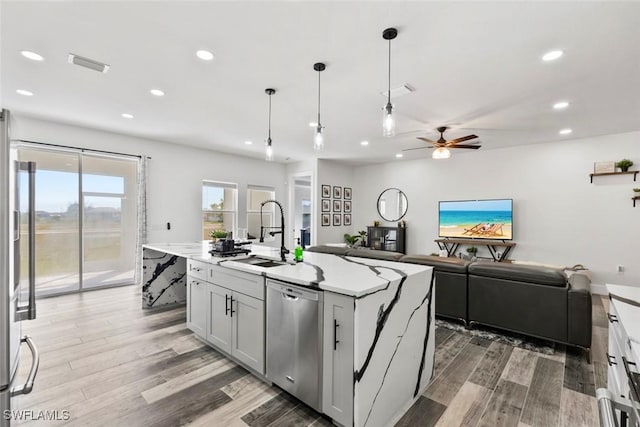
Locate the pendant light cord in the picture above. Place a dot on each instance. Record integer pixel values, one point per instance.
(318, 98)
(269, 140)
(389, 86)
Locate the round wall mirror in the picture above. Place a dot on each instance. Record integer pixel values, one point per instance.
(392, 204)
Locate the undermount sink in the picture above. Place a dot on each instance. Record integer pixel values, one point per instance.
(260, 262)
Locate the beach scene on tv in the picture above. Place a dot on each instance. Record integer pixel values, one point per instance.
(483, 219)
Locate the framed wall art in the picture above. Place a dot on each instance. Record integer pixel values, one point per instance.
(337, 192)
(337, 219)
(337, 205)
(346, 205)
(347, 219)
(347, 193)
(326, 219)
(326, 205)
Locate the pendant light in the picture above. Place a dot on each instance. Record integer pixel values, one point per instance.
(388, 121)
(268, 146)
(318, 139)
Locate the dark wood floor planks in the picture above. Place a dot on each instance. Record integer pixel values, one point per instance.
(101, 354)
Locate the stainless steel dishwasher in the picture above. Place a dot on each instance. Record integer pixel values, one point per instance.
(294, 340)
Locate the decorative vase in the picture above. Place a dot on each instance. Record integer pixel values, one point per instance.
(624, 168)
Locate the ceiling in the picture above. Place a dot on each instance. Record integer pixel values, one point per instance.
(476, 66)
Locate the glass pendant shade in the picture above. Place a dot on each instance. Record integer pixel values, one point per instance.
(441, 153)
(268, 151)
(388, 122)
(318, 139)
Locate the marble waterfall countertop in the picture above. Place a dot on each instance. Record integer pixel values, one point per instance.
(352, 276)
(627, 301)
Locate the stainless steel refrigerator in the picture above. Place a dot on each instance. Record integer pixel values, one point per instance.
(17, 288)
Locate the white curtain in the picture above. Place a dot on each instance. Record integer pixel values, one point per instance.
(142, 216)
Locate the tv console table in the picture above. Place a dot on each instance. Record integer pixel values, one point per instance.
(451, 246)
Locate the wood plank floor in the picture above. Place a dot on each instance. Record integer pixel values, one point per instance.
(110, 363)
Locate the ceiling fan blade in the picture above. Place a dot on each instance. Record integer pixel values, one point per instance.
(473, 147)
(464, 138)
(417, 148)
(426, 140)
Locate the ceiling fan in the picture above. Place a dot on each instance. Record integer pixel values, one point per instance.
(442, 145)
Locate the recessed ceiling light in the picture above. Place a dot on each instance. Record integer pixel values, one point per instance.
(399, 155)
(24, 92)
(31, 55)
(565, 131)
(156, 92)
(364, 143)
(248, 142)
(205, 55)
(127, 115)
(561, 105)
(313, 124)
(553, 55)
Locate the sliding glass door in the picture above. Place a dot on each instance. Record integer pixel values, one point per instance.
(86, 220)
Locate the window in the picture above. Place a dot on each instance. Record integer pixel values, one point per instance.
(255, 196)
(219, 207)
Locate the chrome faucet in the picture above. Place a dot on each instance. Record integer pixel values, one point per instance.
(283, 251)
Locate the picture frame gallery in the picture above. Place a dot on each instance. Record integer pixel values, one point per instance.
(335, 205)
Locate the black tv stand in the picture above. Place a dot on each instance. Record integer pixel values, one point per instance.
(451, 246)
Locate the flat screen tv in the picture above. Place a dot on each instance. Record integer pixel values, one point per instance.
(476, 219)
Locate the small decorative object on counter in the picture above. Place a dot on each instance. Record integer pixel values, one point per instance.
(351, 240)
(376, 223)
(624, 164)
(363, 238)
(218, 234)
(298, 252)
(404, 223)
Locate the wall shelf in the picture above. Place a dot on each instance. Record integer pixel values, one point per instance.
(634, 173)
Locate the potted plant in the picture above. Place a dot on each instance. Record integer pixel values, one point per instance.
(363, 238)
(472, 251)
(218, 234)
(624, 164)
(351, 239)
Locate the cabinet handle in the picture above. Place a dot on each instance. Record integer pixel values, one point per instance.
(609, 357)
(226, 305)
(195, 282)
(232, 310)
(612, 318)
(335, 334)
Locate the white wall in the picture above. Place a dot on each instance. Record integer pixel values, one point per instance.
(333, 173)
(559, 217)
(176, 172)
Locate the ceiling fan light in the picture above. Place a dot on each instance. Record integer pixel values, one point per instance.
(441, 153)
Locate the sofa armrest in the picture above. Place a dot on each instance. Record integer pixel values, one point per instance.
(579, 310)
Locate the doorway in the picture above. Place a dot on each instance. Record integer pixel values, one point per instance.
(302, 209)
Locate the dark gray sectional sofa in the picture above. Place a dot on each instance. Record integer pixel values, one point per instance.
(537, 301)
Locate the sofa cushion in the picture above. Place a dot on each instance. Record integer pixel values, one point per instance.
(334, 250)
(375, 254)
(452, 265)
(520, 273)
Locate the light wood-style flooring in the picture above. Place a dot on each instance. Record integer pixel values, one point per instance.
(110, 363)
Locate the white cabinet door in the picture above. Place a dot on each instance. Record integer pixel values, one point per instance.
(248, 331)
(197, 306)
(219, 316)
(337, 381)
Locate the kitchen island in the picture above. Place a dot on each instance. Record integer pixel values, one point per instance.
(377, 336)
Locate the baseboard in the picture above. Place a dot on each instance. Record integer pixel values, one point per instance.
(599, 289)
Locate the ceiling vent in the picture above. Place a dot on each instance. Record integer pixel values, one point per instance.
(88, 63)
(399, 91)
